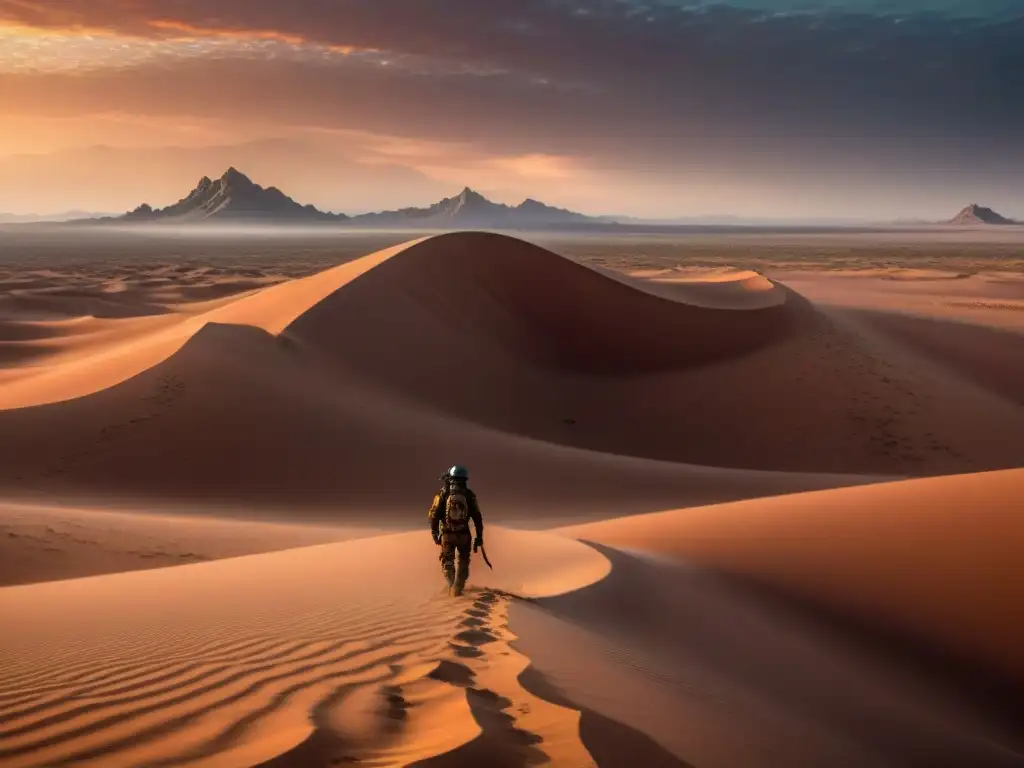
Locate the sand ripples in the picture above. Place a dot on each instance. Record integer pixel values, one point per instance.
(219, 693)
(371, 686)
(297, 658)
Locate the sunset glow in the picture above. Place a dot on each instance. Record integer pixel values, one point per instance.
(673, 110)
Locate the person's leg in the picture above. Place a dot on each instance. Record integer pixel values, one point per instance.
(448, 558)
(464, 545)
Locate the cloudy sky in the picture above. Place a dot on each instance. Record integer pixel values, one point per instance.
(789, 108)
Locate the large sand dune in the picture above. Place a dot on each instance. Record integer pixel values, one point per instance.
(348, 389)
(336, 391)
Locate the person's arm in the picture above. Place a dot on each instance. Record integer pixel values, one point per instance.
(476, 517)
(435, 517)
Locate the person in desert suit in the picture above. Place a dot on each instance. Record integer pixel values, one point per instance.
(454, 506)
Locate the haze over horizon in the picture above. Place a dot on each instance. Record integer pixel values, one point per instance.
(758, 108)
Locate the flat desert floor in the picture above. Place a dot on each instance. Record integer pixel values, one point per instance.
(750, 498)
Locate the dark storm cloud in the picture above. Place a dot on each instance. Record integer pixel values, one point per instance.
(620, 79)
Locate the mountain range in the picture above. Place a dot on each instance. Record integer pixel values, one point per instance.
(235, 198)
(469, 208)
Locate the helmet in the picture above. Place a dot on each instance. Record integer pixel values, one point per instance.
(458, 472)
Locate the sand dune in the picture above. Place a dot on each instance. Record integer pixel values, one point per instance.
(672, 665)
(222, 663)
(350, 653)
(990, 298)
(629, 373)
(46, 543)
(700, 663)
(332, 397)
(939, 557)
(490, 279)
(357, 363)
(332, 393)
(988, 356)
(512, 296)
(710, 288)
(129, 351)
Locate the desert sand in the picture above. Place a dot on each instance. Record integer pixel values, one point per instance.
(215, 476)
(44, 543)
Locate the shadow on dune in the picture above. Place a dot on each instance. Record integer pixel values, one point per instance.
(990, 357)
(17, 354)
(716, 645)
(502, 333)
(983, 689)
(323, 747)
(500, 743)
(21, 330)
(475, 296)
(612, 744)
(492, 330)
(64, 303)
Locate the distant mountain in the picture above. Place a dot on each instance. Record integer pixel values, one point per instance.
(471, 209)
(535, 210)
(979, 214)
(234, 197)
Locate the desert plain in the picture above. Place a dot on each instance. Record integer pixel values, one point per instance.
(751, 498)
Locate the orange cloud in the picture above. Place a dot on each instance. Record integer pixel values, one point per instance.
(73, 47)
(168, 31)
(12, 30)
(191, 31)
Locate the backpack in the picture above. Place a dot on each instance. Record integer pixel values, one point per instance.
(456, 508)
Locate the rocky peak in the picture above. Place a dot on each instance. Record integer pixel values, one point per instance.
(979, 214)
(234, 178)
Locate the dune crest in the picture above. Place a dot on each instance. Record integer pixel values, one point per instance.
(131, 352)
(710, 288)
(531, 287)
(510, 300)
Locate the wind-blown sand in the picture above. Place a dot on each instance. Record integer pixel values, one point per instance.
(146, 425)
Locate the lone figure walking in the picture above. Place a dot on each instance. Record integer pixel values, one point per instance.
(454, 506)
